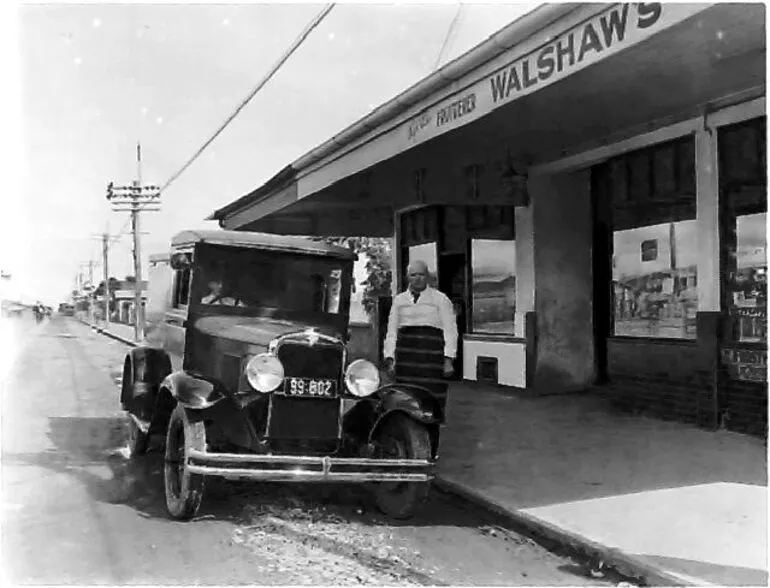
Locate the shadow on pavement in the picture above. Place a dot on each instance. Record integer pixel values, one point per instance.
(85, 446)
(337, 519)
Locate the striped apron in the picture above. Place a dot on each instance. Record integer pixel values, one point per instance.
(420, 360)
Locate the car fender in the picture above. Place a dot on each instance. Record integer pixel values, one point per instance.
(416, 401)
(193, 391)
(143, 370)
(413, 401)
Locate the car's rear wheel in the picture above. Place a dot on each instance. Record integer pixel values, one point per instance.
(184, 489)
(402, 437)
(138, 441)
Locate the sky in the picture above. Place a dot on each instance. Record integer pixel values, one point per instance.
(93, 79)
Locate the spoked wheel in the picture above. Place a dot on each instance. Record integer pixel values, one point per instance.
(401, 437)
(184, 490)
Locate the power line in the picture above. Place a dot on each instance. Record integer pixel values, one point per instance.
(449, 35)
(289, 52)
(294, 46)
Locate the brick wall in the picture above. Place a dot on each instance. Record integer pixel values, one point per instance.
(745, 406)
(679, 381)
(670, 380)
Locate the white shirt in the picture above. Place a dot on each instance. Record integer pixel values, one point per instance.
(432, 309)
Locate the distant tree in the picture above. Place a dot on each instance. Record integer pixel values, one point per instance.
(379, 255)
(114, 285)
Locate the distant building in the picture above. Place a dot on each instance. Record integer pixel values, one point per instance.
(125, 311)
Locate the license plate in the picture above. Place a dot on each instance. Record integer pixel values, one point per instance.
(310, 387)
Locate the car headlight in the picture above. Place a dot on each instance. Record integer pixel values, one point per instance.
(362, 378)
(264, 372)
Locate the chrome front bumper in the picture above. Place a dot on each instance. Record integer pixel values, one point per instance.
(290, 468)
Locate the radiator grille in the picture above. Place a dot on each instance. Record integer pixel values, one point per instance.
(304, 418)
(317, 361)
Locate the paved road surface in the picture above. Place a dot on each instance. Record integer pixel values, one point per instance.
(76, 511)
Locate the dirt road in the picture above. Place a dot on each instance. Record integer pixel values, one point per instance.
(75, 510)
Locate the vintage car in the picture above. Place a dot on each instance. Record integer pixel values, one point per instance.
(244, 374)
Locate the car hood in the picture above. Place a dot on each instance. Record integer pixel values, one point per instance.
(253, 330)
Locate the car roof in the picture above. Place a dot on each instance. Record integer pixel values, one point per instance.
(268, 241)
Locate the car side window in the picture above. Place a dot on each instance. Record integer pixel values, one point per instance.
(181, 296)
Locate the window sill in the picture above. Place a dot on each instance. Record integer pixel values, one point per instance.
(493, 337)
(653, 340)
(752, 345)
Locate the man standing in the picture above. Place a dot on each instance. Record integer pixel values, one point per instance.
(421, 342)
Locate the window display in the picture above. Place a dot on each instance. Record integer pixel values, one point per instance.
(648, 203)
(493, 285)
(747, 282)
(742, 175)
(655, 280)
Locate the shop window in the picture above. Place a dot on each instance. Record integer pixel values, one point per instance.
(425, 253)
(650, 198)
(742, 175)
(655, 280)
(748, 283)
(493, 286)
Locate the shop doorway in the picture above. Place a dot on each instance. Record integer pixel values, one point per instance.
(452, 280)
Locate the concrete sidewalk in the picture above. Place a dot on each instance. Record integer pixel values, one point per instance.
(661, 501)
(118, 331)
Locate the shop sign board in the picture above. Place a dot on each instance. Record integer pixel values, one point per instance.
(537, 62)
(613, 29)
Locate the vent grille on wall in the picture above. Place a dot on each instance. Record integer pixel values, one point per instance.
(486, 370)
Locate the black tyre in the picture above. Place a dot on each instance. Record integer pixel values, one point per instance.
(184, 490)
(137, 440)
(402, 437)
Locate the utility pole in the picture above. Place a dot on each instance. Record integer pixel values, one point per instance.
(91, 291)
(134, 199)
(105, 256)
(88, 292)
(138, 310)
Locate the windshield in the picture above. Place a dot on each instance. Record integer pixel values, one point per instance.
(249, 278)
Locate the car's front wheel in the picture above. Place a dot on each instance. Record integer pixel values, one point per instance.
(184, 489)
(404, 438)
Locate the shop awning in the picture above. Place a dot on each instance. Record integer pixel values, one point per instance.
(559, 80)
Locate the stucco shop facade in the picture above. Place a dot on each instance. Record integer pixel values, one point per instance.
(588, 186)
